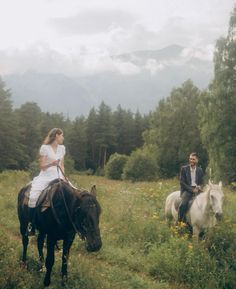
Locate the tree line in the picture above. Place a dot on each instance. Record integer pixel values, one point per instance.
(89, 140)
(189, 119)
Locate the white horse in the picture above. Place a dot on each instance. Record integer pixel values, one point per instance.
(205, 210)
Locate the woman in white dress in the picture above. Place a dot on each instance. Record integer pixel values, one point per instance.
(51, 155)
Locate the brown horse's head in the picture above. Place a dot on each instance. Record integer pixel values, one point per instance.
(86, 218)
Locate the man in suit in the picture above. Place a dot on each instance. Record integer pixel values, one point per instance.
(191, 181)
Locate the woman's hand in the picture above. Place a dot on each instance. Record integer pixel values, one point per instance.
(55, 163)
(44, 165)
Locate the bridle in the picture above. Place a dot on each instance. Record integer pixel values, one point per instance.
(82, 236)
(211, 206)
(211, 211)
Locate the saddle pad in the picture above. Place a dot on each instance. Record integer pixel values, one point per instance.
(44, 200)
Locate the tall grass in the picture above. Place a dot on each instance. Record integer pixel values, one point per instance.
(139, 249)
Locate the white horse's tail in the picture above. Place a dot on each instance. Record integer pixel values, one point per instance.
(168, 208)
(170, 205)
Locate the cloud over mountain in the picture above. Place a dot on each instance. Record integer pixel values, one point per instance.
(136, 80)
(93, 21)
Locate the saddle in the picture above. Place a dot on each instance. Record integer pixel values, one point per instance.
(44, 200)
(178, 201)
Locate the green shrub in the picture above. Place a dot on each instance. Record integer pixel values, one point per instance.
(221, 244)
(100, 172)
(89, 172)
(34, 169)
(115, 165)
(210, 264)
(180, 261)
(141, 166)
(155, 233)
(69, 165)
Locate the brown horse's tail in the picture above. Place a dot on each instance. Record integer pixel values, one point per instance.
(22, 199)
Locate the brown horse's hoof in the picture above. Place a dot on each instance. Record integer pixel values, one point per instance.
(46, 284)
(23, 265)
(64, 280)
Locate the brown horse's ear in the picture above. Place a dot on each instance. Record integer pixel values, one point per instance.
(93, 190)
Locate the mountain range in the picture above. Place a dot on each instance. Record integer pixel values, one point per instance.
(145, 77)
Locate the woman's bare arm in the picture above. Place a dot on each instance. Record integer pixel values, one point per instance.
(44, 165)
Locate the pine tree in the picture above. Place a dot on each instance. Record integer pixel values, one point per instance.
(29, 119)
(11, 153)
(92, 151)
(123, 122)
(105, 135)
(77, 143)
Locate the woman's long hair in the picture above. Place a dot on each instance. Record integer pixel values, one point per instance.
(52, 135)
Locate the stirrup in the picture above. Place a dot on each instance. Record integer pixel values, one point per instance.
(30, 230)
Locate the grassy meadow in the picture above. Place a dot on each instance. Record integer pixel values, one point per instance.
(139, 249)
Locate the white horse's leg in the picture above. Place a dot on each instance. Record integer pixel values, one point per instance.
(196, 232)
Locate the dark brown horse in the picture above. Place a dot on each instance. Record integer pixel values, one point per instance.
(61, 212)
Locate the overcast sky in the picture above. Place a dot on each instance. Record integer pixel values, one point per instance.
(78, 37)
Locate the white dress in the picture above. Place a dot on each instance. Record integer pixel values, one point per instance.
(40, 182)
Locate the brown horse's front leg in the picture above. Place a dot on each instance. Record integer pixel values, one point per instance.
(49, 259)
(40, 243)
(65, 255)
(25, 242)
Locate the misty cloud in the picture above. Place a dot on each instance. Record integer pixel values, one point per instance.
(126, 68)
(205, 54)
(45, 60)
(85, 41)
(93, 22)
(38, 57)
(154, 66)
(138, 37)
(188, 32)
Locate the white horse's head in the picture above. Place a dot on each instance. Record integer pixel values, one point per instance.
(216, 198)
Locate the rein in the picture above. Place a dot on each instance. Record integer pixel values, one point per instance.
(59, 169)
(63, 197)
(211, 210)
(209, 205)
